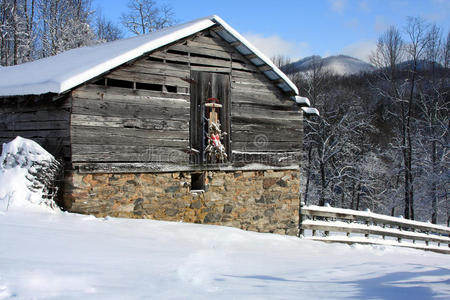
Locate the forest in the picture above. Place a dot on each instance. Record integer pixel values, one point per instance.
(382, 139)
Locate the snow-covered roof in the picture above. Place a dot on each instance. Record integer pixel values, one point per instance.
(62, 72)
(311, 111)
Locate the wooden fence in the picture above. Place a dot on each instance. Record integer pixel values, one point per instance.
(330, 224)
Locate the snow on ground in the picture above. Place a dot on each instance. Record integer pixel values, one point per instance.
(48, 254)
(67, 256)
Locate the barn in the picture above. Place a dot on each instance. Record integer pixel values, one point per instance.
(191, 123)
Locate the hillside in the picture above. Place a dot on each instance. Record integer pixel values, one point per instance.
(338, 65)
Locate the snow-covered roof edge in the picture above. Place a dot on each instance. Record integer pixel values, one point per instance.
(193, 27)
(256, 52)
(62, 78)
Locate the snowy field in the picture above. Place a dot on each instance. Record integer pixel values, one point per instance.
(48, 254)
(54, 255)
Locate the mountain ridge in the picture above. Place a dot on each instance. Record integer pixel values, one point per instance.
(336, 64)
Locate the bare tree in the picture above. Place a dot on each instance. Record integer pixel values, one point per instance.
(106, 30)
(416, 30)
(313, 85)
(145, 16)
(388, 54)
(280, 60)
(433, 126)
(446, 52)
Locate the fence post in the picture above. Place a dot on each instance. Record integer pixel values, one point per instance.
(301, 231)
(368, 224)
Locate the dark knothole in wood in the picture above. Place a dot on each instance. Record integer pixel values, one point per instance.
(155, 59)
(177, 52)
(171, 89)
(149, 86)
(120, 83)
(100, 82)
(198, 181)
(209, 56)
(185, 63)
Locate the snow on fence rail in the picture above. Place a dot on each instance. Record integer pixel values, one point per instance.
(370, 228)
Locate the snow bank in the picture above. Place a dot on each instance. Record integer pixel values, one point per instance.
(70, 256)
(22, 162)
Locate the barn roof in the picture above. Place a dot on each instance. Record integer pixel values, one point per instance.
(64, 71)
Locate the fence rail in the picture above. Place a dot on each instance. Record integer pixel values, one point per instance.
(329, 224)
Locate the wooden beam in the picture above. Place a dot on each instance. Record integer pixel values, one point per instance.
(235, 44)
(155, 167)
(279, 80)
(264, 68)
(216, 28)
(251, 56)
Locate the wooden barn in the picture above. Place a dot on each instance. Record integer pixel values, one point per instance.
(190, 123)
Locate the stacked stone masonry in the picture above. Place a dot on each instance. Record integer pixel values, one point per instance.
(263, 201)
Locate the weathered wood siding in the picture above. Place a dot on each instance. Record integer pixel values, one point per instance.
(263, 120)
(111, 124)
(141, 112)
(40, 118)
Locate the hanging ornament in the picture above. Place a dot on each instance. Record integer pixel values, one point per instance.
(215, 150)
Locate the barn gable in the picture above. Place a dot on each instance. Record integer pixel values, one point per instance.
(141, 113)
(134, 129)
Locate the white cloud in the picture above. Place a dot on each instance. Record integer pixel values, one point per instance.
(360, 50)
(338, 5)
(353, 24)
(381, 24)
(364, 6)
(275, 45)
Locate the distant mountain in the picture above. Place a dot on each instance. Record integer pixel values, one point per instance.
(422, 65)
(338, 64)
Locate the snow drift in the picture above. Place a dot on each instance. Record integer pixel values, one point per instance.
(27, 172)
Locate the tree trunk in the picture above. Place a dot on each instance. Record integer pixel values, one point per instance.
(433, 184)
(322, 179)
(15, 36)
(409, 145)
(358, 196)
(308, 173)
(352, 205)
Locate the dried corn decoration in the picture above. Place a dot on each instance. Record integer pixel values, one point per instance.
(215, 150)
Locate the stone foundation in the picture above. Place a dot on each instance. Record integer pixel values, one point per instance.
(264, 201)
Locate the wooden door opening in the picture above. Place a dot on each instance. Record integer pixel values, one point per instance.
(204, 86)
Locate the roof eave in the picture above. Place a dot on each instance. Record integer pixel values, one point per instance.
(271, 71)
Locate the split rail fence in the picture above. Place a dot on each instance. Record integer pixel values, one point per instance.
(330, 224)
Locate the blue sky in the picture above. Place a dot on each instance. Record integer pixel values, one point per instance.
(300, 28)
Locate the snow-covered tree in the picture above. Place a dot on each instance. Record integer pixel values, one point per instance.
(64, 25)
(17, 31)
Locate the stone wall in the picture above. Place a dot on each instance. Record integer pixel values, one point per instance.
(264, 201)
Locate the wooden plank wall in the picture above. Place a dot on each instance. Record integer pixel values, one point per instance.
(112, 124)
(263, 119)
(130, 124)
(40, 118)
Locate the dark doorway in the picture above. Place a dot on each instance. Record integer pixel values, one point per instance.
(204, 86)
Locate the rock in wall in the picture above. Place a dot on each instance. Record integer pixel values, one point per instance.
(264, 201)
